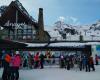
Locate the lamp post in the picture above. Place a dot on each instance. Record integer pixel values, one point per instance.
(81, 37)
(85, 31)
(92, 37)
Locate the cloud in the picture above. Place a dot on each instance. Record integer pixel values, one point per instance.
(5, 2)
(72, 20)
(61, 18)
(69, 20)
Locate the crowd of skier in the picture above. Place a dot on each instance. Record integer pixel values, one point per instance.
(12, 61)
(82, 62)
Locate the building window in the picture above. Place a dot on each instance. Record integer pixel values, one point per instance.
(25, 32)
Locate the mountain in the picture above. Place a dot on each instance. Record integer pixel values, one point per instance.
(62, 31)
(85, 30)
(65, 29)
(95, 26)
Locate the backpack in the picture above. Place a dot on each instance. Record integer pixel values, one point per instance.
(7, 58)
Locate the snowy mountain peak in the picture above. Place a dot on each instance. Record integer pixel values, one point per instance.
(60, 25)
(95, 26)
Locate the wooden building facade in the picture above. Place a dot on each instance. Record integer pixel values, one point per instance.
(20, 26)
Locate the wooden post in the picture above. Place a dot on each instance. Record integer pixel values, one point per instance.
(16, 25)
(9, 33)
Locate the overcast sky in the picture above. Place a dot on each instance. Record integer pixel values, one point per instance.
(72, 11)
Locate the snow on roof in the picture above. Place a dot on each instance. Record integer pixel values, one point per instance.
(36, 44)
(92, 43)
(62, 44)
(66, 44)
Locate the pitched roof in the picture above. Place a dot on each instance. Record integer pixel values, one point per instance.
(20, 7)
(23, 10)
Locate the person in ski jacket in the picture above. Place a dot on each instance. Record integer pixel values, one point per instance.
(16, 61)
(6, 71)
(91, 63)
(96, 59)
(36, 60)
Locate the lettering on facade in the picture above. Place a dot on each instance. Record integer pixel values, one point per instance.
(15, 25)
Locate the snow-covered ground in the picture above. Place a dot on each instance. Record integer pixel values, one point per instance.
(54, 73)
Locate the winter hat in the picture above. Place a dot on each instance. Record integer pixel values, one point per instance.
(17, 52)
(62, 57)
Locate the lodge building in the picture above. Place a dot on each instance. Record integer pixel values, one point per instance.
(20, 26)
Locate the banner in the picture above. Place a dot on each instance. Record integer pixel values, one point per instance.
(96, 51)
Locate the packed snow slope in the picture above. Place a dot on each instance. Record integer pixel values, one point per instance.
(54, 73)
